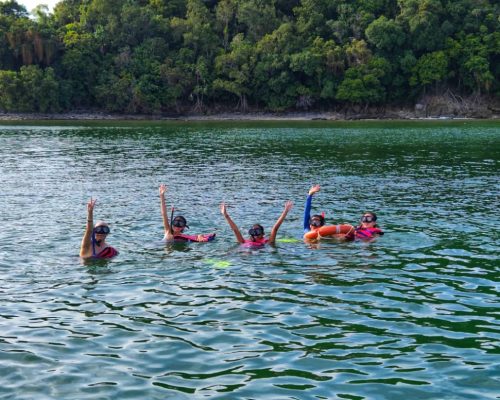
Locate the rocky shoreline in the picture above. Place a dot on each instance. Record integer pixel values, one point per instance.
(289, 116)
(430, 108)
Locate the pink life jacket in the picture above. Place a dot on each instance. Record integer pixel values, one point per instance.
(255, 243)
(368, 233)
(181, 237)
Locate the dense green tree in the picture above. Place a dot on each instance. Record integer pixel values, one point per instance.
(225, 16)
(274, 83)
(177, 82)
(234, 70)
(363, 84)
(422, 20)
(315, 18)
(257, 18)
(29, 90)
(114, 94)
(197, 29)
(386, 35)
(149, 56)
(319, 67)
(199, 38)
(474, 56)
(9, 89)
(80, 65)
(431, 68)
(11, 8)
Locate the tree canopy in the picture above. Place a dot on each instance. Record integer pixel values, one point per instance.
(169, 56)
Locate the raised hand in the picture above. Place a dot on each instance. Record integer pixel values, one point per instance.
(288, 205)
(314, 189)
(163, 189)
(223, 208)
(91, 205)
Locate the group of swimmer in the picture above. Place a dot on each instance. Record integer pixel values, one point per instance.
(94, 243)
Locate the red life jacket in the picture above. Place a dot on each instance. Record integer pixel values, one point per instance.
(107, 252)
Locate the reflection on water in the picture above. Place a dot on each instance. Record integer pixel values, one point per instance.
(412, 314)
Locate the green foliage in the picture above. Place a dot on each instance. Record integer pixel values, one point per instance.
(234, 70)
(9, 86)
(274, 83)
(196, 29)
(430, 68)
(12, 8)
(422, 20)
(362, 84)
(30, 89)
(115, 93)
(258, 17)
(385, 34)
(149, 56)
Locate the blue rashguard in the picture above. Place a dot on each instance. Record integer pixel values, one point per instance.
(307, 213)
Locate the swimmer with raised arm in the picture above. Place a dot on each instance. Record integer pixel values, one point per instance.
(256, 232)
(174, 230)
(315, 228)
(94, 239)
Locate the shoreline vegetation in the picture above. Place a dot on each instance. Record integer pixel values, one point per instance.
(250, 60)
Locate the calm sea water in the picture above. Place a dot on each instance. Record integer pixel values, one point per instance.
(412, 315)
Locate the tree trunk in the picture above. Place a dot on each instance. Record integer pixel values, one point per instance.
(243, 103)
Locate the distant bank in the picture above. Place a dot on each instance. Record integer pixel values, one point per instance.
(432, 108)
(288, 116)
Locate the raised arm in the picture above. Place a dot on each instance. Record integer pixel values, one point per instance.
(164, 214)
(86, 246)
(274, 230)
(307, 210)
(237, 233)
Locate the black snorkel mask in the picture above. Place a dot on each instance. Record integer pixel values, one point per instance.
(317, 221)
(179, 222)
(256, 231)
(98, 230)
(102, 229)
(369, 218)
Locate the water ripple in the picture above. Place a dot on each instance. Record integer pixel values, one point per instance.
(413, 314)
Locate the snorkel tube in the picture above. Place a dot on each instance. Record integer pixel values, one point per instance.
(172, 220)
(93, 242)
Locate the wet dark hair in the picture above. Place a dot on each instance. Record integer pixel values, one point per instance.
(317, 216)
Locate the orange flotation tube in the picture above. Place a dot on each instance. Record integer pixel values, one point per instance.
(344, 231)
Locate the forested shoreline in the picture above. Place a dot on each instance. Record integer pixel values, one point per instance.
(160, 57)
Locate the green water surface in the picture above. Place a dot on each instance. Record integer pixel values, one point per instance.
(412, 315)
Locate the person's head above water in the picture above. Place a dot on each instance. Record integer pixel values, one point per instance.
(316, 221)
(101, 228)
(369, 219)
(179, 223)
(256, 232)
